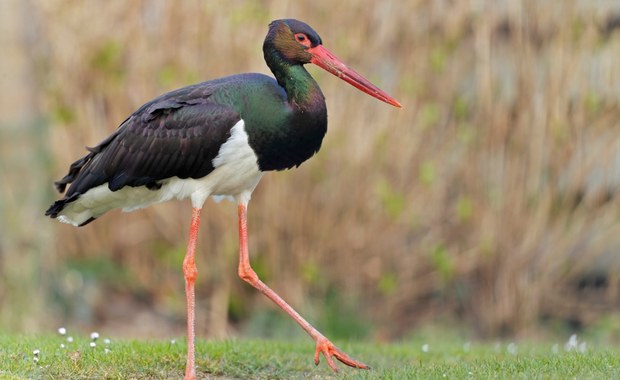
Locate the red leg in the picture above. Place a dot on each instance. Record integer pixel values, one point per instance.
(323, 345)
(190, 272)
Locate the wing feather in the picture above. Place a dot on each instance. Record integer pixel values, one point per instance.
(163, 139)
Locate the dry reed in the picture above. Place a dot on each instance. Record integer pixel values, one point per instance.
(490, 198)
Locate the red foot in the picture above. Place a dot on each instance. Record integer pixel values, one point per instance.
(328, 350)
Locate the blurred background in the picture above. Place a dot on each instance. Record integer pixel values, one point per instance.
(489, 204)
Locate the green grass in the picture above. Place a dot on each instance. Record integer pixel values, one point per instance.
(258, 359)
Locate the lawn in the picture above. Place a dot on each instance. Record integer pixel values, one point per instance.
(265, 359)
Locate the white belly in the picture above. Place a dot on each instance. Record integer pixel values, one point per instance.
(236, 174)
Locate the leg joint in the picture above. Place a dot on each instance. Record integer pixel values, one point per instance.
(247, 274)
(189, 270)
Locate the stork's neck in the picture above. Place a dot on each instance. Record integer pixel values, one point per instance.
(295, 134)
(303, 93)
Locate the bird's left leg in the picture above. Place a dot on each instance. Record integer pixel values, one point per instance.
(190, 272)
(323, 345)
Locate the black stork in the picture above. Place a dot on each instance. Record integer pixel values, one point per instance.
(216, 138)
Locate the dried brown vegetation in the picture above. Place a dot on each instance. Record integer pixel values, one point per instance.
(490, 198)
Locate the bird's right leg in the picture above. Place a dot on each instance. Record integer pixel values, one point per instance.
(323, 345)
(190, 272)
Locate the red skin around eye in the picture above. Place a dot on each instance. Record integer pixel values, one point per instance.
(303, 39)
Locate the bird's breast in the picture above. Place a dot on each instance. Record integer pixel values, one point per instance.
(282, 132)
(287, 140)
(236, 171)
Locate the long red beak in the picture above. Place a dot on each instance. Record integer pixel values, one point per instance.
(327, 61)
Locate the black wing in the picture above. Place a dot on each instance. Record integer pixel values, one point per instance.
(164, 138)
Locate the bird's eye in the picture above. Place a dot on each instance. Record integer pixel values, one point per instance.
(303, 39)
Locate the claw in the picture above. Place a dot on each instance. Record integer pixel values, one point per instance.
(328, 349)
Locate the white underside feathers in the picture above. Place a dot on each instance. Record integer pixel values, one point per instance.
(236, 174)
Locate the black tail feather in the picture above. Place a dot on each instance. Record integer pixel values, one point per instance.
(92, 218)
(59, 205)
(74, 169)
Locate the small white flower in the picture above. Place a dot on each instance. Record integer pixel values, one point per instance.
(425, 347)
(36, 352)
(69, 339)
(173, 341)
(94, 335)
(93, 344)
(106, 350)
(106, 341)
(36, 359)
(572, 343)
(512, 348)
(62, 345)
(62, 330)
